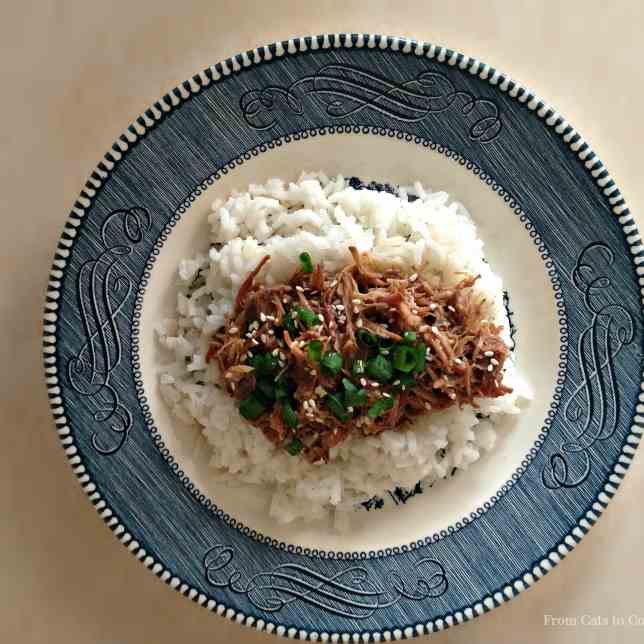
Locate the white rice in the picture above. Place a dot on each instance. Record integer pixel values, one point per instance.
(324, 216)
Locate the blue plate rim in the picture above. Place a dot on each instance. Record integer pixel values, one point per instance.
(154, 115)
(485, 506)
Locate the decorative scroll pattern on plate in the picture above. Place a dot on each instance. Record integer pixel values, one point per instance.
(101, 293)
(350, 593)
(345, 90)
(593, 405)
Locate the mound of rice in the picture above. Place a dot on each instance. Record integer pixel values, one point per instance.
(418, 229)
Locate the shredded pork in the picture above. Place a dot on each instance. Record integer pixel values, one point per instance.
(293, 354)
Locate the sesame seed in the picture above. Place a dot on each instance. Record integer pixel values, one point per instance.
(264, 338)
(249, 354)
(490, 368)
(413, 278)
(285, 300)
(275, 352)
(423, 328)
(262, 317)
(305, 404)
(255, 342)
(427, 406)
(386, 395)
(414, 311)
(356, 310)
(458, 361)
(396, 382)
(340, 307)
(452, 395)
(293, 314)
(299, 288)
(281, 363)
(233, 330)
(384, 352)
(333, 283)
(282, 356)
(433, 306)
(356, 301)
(228, 375)
(489, 354)
(435, 330)
(403, 387)
(320, 391)
(375, 384)
(494, 361)
(363, 382)
(359, 323)
(253, 325)
(312, 404)
(451, 308)
(350, 410)
(271, 332)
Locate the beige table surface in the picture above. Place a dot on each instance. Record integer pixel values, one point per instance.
(74, 74)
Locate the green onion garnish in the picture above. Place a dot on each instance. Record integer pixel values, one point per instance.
(367, 339)
(289, 324)
(307, 264)
(380, 369)
(409, 337)
(336, 407)
(281, 389)
(266, 387)
(405, 358)
(406, 380)
(353, 397)
(421, 357)
(357, 369)
(294, 447)
(380, 407)
(314, 349)
(251, 408)
(289, 416)
(331, 362)
(264, 364)
(307, 316)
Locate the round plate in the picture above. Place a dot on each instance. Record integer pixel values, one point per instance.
(556, 229)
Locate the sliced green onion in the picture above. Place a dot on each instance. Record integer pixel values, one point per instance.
(282, 389)
(307, 316)
(264, 364)
(421, 357)
(266, 387)
(289, 324)
(314, 349)
(307, 264)
(294, 447)
(357, 369)
(405, 358)
(406, 381)
(331, 362)
(381, 406)
(252, 407)
(289, 416)
(367, 339)
(380, 369)
(353, 397)
(334, 403)
(409, 337)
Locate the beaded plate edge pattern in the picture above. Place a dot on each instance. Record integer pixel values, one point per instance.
(150, 119)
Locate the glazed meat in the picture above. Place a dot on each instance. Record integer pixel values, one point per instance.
(325, 356)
